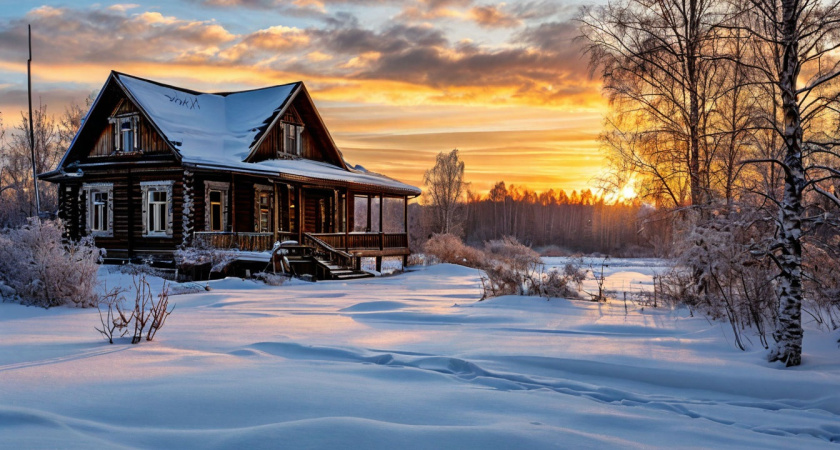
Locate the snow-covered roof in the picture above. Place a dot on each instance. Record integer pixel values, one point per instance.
(220, 130)
(208, 127)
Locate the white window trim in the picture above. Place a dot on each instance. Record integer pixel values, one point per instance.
(157, 186)
(225, 189)
(89, 189)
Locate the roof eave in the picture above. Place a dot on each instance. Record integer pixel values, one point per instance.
(274, 121)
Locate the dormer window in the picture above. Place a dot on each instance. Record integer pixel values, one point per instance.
(125, 133)
(292, 138)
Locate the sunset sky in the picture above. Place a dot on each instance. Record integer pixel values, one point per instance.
(396, 82)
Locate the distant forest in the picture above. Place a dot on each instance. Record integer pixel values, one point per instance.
(551, 222)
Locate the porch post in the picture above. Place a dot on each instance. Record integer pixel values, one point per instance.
(405, 215)
(276, 206)
(381, 230)
(232, 201)
(405, 229)
(346, 220)
(367, 226)
(336, 223)
(299, 213)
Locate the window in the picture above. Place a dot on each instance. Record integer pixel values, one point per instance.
(292, 138)
(216, 206)
(292, 210)
(263, 208)
(125, 133)
(157, 208)
(100, 211)
(99, 198)
(215, 210)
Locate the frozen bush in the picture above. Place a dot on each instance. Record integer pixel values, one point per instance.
(511, 253)
(822, 283)
(719, 273)
(515, 269)
(188, 259)
(449, 248)
(271, 279)
(44, 271)
(416, 259)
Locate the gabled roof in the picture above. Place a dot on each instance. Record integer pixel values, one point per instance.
(208, 127)
(222, 130)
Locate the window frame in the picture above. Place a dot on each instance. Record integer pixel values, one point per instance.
(148, 189)
(90, 190)
(292, 136)
(260, 192)
(224, 189)
(119, 132)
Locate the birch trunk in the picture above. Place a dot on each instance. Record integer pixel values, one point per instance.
(788, 334)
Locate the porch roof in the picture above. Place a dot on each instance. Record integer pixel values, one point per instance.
(313, 171)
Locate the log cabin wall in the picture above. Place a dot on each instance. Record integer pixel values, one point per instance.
(243, 205)
(127, 238)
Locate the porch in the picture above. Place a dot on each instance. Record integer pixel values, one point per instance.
(359, 244)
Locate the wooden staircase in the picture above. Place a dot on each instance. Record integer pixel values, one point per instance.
(333, 264)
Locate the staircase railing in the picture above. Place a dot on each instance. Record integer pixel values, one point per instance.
(335, 256)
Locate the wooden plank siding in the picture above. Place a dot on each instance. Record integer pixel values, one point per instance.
(272, 146)
(149, 140)
(243, 206)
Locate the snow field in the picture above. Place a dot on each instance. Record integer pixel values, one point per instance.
(409, 361)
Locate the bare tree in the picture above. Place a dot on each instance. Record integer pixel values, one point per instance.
(653, 56)
(795, 42)
(445, 186)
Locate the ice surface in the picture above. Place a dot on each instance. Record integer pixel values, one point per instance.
(408, 361)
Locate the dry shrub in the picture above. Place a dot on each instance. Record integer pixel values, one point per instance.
(515, 269)
(448, 248)
(510, 252)
(148, 315)
(720, 274)
(44, 271)
(822, 283)
(416, 259)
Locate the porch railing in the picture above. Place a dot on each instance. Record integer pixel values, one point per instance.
(359, 241)
(252, 242)
(324, 249)
(265, 241)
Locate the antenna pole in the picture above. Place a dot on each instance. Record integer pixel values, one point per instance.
(31, 126)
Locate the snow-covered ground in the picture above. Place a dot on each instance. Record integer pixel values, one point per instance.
(409, 361)
(629, 275)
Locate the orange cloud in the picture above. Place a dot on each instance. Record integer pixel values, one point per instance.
(493, 17)
(524, 111)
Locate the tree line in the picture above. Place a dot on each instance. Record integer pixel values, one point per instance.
(553, 221)
(556, 222)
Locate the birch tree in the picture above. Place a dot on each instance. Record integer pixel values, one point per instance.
(796, 42)
(445, 188)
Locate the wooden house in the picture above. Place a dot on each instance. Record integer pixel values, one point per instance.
(156, 167)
